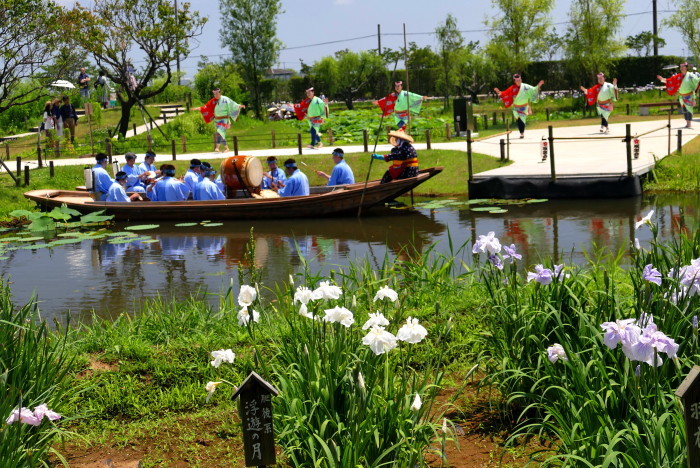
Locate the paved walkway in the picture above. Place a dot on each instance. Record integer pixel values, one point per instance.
(592, 156)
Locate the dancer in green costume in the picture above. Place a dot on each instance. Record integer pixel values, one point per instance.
(603, 94)
(687, 91)
(520, 95)
(226, 111)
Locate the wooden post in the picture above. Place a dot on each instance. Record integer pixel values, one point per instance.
(38, 156)
(502, 142)
(172, 147)
(177, 111)
(7, 151)
(448, 135)
(272, 136)
(495, 118)
(689, 393)
(503, 115)
(547, 111)
(255, 411)
(628, 108)
(427, 138)
(26, 176)
(507, 141)
(628, 144)
(149, 141)
(365, 142)
(184, 144)
(668, 125)
(330, 136)
(108, 148)
(235, 145)
(19, 167)
(486, 122)
(165, 118)
(551, 153)
(51, 169)
(470, 169)
(214, 140)
(299, 142)
(57, 150)
(134, 129)
(679, 143)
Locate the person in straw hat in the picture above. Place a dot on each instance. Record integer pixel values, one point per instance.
(403, 155)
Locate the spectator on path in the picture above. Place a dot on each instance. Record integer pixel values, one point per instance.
(102, 89)
(84, 84)
(70, 118)
(48, 122)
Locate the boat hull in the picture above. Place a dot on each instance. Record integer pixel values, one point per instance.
(343, 201)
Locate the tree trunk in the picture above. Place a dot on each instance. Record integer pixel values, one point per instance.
(126, 114)
(475, 96)
(349, 103)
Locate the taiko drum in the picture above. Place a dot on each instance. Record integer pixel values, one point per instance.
(239, 172)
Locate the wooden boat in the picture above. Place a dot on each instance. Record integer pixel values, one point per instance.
(322, 202)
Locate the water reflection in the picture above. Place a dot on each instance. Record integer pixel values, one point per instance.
(114, 277)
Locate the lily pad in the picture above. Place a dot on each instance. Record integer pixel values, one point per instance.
(66, 241)
(149, 241)
(30, 239)
(71, 234)
(212, 224)
(485, 208)
(185, 224)
(142, 227)
(536, 200)
(477, 201)
(498, 211)
(4, 258)
(34, 246)
(121, 240)
(121, 234)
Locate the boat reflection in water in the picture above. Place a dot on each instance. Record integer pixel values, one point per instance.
(112, 278)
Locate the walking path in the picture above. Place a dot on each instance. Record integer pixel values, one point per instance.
(592, 156)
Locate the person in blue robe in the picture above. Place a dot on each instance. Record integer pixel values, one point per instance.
(296, 185)
(116, 191)
(207, 189)
(275, 174)
(102, 179)
(134, 173)
(169, 188)
(193, 176)
(342, 173)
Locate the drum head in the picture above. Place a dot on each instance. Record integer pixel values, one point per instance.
(252, 171)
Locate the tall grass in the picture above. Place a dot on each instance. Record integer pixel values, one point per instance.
(34, 366)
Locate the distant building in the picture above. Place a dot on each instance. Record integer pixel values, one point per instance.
(279, 73)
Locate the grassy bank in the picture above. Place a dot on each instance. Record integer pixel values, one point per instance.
(453, 180)
(545, 339)
(677, 172)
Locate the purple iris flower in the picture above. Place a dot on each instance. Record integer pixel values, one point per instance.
(651, 274)
(496, 261)
(695, 322)
(541, 274)
(511, 253)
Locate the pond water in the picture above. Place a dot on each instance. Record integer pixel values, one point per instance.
(114, 277)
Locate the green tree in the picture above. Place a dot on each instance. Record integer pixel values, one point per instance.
(113, 29)
(643, 43)
(450, 42)
(591, 43)
(249, 29)
(474, 72)
(347, 74)
(518, 32)
(223, 75)
(30, 36)
(687, 21)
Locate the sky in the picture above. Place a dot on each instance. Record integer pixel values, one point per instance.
(352, 24)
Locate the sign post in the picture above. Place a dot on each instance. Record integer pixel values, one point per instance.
(689, 393)
(255, 410)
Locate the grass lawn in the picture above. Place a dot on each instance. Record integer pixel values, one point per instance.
(677, 172)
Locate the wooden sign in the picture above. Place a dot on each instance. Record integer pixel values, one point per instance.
(255, 410)
(88, 108)
(689, 393)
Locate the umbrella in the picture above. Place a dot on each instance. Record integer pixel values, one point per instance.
(669, 67)
(62, 84)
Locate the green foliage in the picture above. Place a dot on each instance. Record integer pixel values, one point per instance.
(591, 40)
(643, 43)
(686, 20)
(225, 76)
(34, 365)
(249, 31)
(518, 29)
(602, 411)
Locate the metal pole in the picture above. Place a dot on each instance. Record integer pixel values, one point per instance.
(470, 169)
(628, 143)
(405, 63)
(656, 30)
(551, 153)
(178, 55)
(668, 125)
(379, 39)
